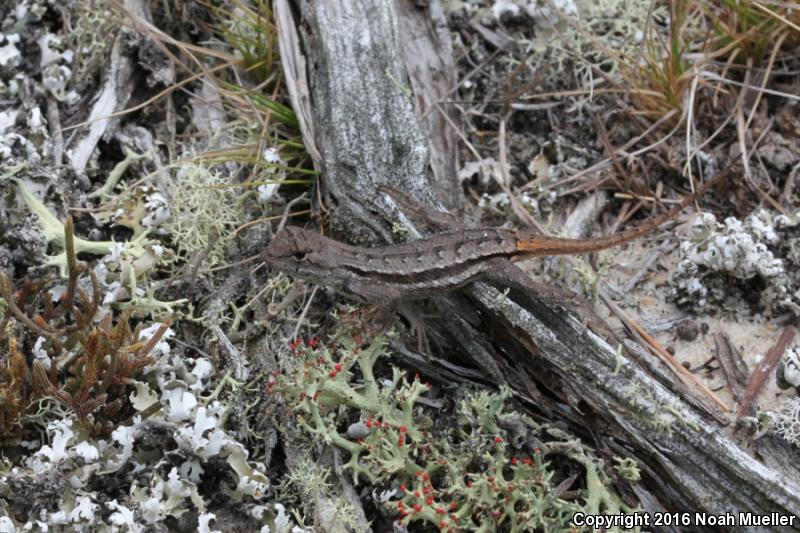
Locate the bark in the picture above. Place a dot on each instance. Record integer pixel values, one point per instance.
(371, 131)
(366, 126)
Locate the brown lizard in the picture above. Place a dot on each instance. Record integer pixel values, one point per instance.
(439, 263)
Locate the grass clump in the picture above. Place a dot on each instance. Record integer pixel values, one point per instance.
(747, 31)
(700, 42)
(654, 53)
(264, 133)
(662, 79)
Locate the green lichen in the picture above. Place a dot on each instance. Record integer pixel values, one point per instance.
(310, 482)
(627, 468)
(53, 231)
(464, 475)
(94, 22)
(118, 171)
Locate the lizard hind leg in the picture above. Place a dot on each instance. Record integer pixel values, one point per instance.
(416, 326)
(375, 319)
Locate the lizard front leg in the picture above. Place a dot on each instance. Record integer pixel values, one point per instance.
(389, 301)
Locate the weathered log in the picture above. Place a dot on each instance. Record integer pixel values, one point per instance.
(370, 133)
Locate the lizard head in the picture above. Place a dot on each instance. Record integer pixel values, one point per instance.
(290, 245)
(304, 254)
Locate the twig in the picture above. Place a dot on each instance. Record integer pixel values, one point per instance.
(628, 196)
(54, 120)
(259, 221)
(731, 365)
(788, 187)
(302, 316)
(763, 369)
(239, 370)
(622, 151)
(287, 210)
(505, 182)
(466, 78)
(274, 310)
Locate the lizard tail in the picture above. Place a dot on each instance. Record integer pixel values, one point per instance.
(538, 246)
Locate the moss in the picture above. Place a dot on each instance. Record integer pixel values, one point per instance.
(84, 365)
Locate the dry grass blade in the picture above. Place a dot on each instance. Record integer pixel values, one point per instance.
(778, 16)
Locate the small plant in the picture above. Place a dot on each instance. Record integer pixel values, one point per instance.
(14, 382)
(661, 81)
(86, 367)
(489, 470)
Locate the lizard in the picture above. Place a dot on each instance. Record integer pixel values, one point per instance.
(435, 264)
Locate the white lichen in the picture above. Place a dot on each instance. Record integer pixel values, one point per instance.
(717, 258)
(7, 120)
(203, 211)
(786, 421)
(123, 517)
(9, 53)
(788, 371)
(736, 248)
(275, 173)
(55, 452)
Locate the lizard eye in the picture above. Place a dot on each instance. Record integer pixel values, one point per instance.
(300, 256)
